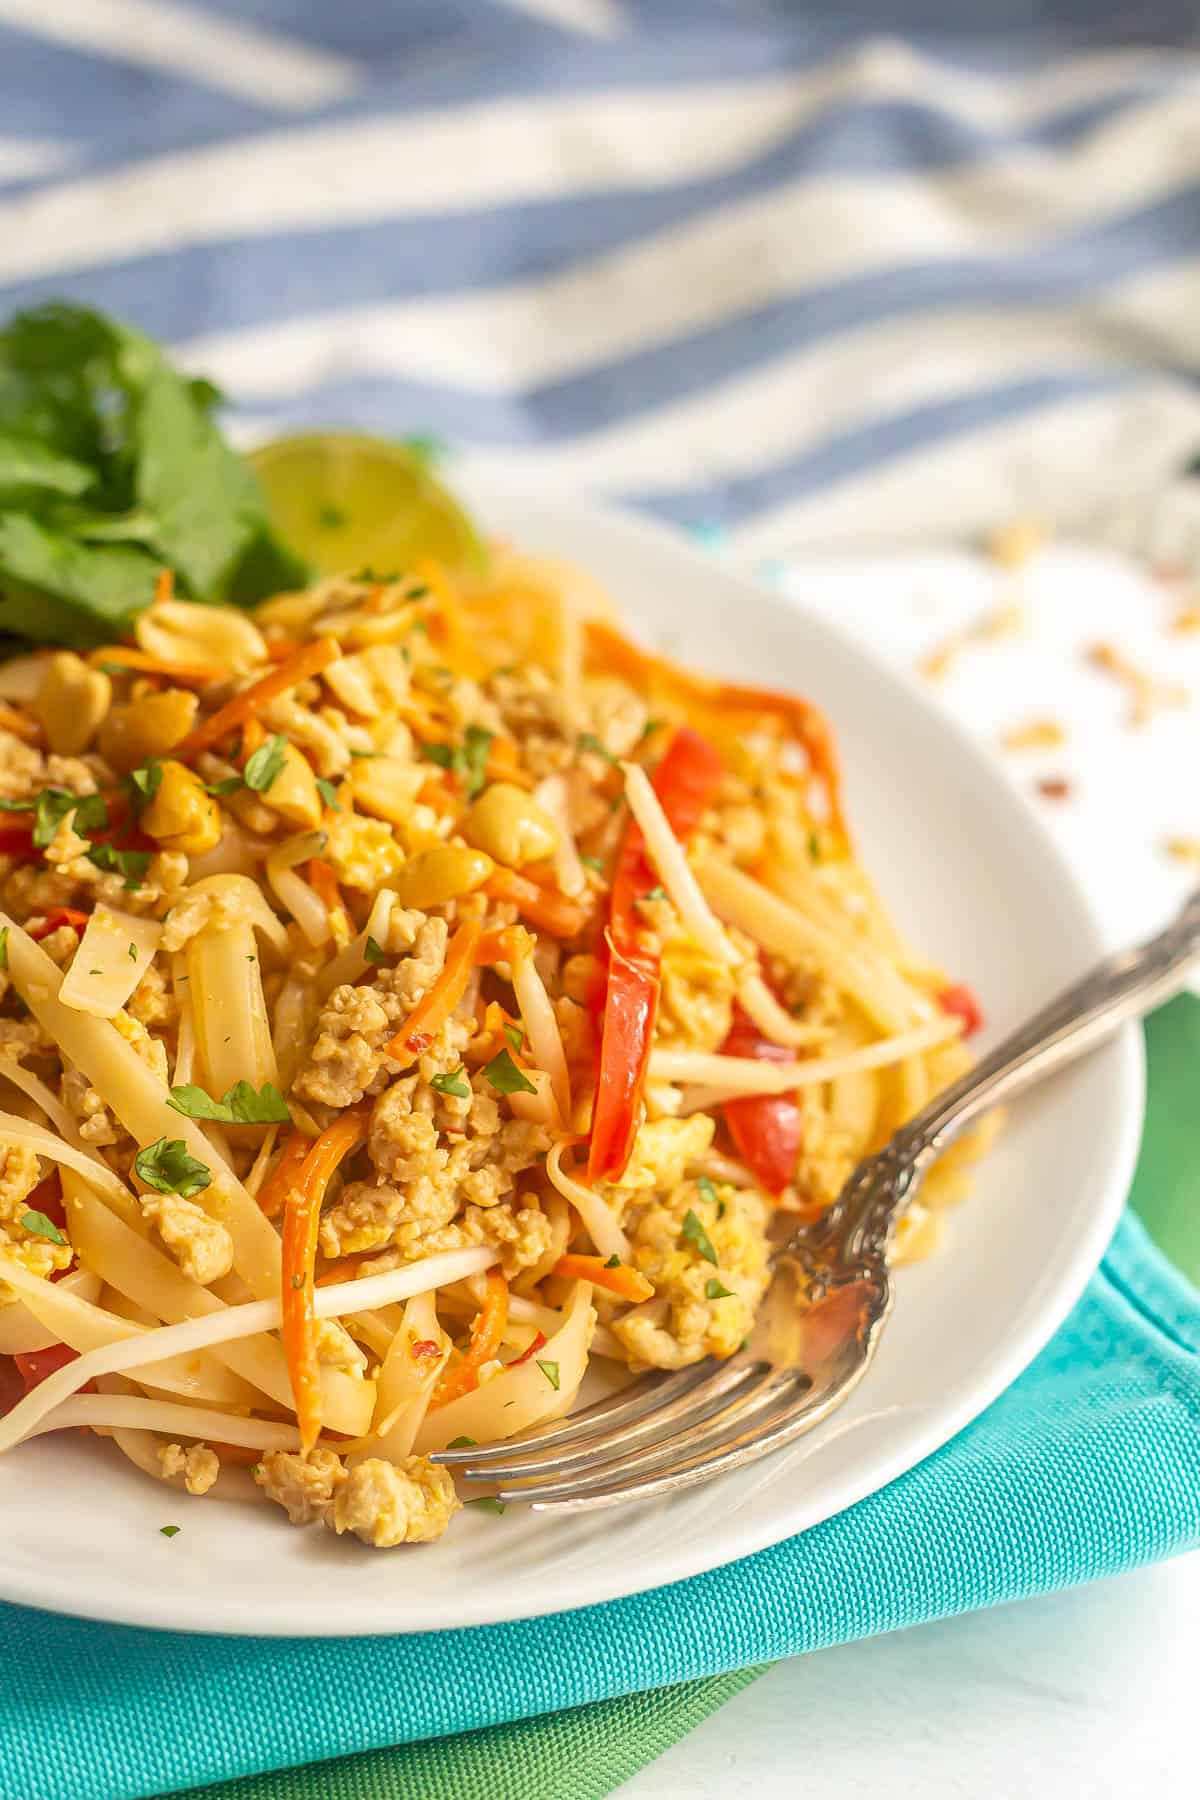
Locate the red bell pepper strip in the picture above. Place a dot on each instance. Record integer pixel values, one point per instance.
(766, 1128)
(56, 917)
(36, 1365)
(685, 781)
(960, 1001)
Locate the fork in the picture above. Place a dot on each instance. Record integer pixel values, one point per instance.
(831, 1283)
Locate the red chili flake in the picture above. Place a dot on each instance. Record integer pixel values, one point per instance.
(426, 1347)
(525, 1355)
(1054, 787)
(960, 1001)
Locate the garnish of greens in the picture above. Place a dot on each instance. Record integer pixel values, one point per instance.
(167, 1167)
(694, 1233)
(38, 1225)
(454, 1083)
(373, 952)
(239, 1105)
(468, 760)
(111, 468)
(266, 764)
(506, 1078)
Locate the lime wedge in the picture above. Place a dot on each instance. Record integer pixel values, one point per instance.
(346, 501)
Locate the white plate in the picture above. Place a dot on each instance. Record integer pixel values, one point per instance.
(973, 878)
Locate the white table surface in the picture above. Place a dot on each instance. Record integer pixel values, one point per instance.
(1080, 1695)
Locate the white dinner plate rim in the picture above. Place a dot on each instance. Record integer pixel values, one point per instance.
(157, 1608)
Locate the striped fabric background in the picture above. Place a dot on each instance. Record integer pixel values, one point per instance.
(817, 273)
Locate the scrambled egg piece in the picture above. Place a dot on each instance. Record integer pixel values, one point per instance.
(201, 1246)
(662, 1150)
(701, 1307)
(382, 1503)
(696, 1009)
(198, 1465)
(363, 853)
(386, 1503)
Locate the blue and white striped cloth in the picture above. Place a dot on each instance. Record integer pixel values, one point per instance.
(818, 274)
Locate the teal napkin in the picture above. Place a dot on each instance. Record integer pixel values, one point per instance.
(1089, 1464)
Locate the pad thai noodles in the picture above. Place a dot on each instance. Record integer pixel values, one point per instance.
(411, 991)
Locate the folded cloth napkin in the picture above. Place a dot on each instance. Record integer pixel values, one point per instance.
(1089, 1464)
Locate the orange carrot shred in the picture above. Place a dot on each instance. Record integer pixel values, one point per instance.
(20, 724)
(155, 665)
(542, 906)
(309, 660)
(438, 1002)
(301, 1218)
(628, 1283)
(487, 1334)
(274, 1190)
(164, 584)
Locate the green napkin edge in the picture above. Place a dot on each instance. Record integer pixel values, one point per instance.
(580, 1754)
(587, 1751)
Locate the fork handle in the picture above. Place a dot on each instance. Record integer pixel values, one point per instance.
(1121, 987)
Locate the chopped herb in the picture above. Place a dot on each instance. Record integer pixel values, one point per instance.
(487, 1503)
(365, 755)
(506, 1078)
(256, 1470)
(167, 1167)
(132, 864)
(617, 801)
(441, 754)
(614, 1262)
(814, 847)
(694, 1233)
(462, 1443)
(228, 785)
(132, 953)
(297, 1282)
(53, 805)
(252, 957)
(95, 971)
(477, 745)
(713, 1290)
(650, 727)
(745, 1344)
(146, 781)
(550, 1371)
(595, 863)
(373, 952)
(454, 1083)
(169, 1530)
(328, 794)
(40, 1226)
(239, 1105)
(515, 1035)
(720, 1209)
(587, 740)
(266, 765)
(4, 947)
(332, 518)
(656, 893)
(706, 1188)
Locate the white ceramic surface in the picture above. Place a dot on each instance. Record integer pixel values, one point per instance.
(974, 879)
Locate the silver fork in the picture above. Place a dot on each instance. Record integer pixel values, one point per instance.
(669, 1431)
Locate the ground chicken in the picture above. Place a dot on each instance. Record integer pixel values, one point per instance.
(21, 768)
(303, 1487)
(35, 888)
(152, 1003)
(194, 912)
(96, 1124)
(198, 1465)
(20, 1172)
(347, 1059)
(383, 1503)
(686, 1321)
(152, 1052)
(201, 1246)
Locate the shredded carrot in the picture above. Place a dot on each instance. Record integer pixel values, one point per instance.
(155, 665)
(307, 661)
(504, 763)
(253, 738)
(621, 1279)
(164, 584)
(503, 943)
(435, 1006)
(274, 1190)
(57, 917)
(449, 629)
(279, 649)
(20, 724)
(487, 1334)
(543, 906)
(323, 882)
(301, 1218)
(346, 1268)
(436, 794)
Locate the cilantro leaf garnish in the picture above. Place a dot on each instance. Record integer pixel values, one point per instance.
(167, 1167)
(454, 1083)
(693, 1232)
(655, 893)
(550, 1371)
(587, 740)
(515, 1035)
(506, 1078)
(328, 794)
(169, 1531)
(614, 1262)
(473, 756)
(487, 1503)
(441, 754)
(715, 1290)
(707, 1190)
(595, 863)
(266, 765)
(239, 1105)
(4, 947)
(132, 864)
(146, 781)
(40, 1226)
(373, 952)
(53, 805)
(462, 1443)
(228, 785)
